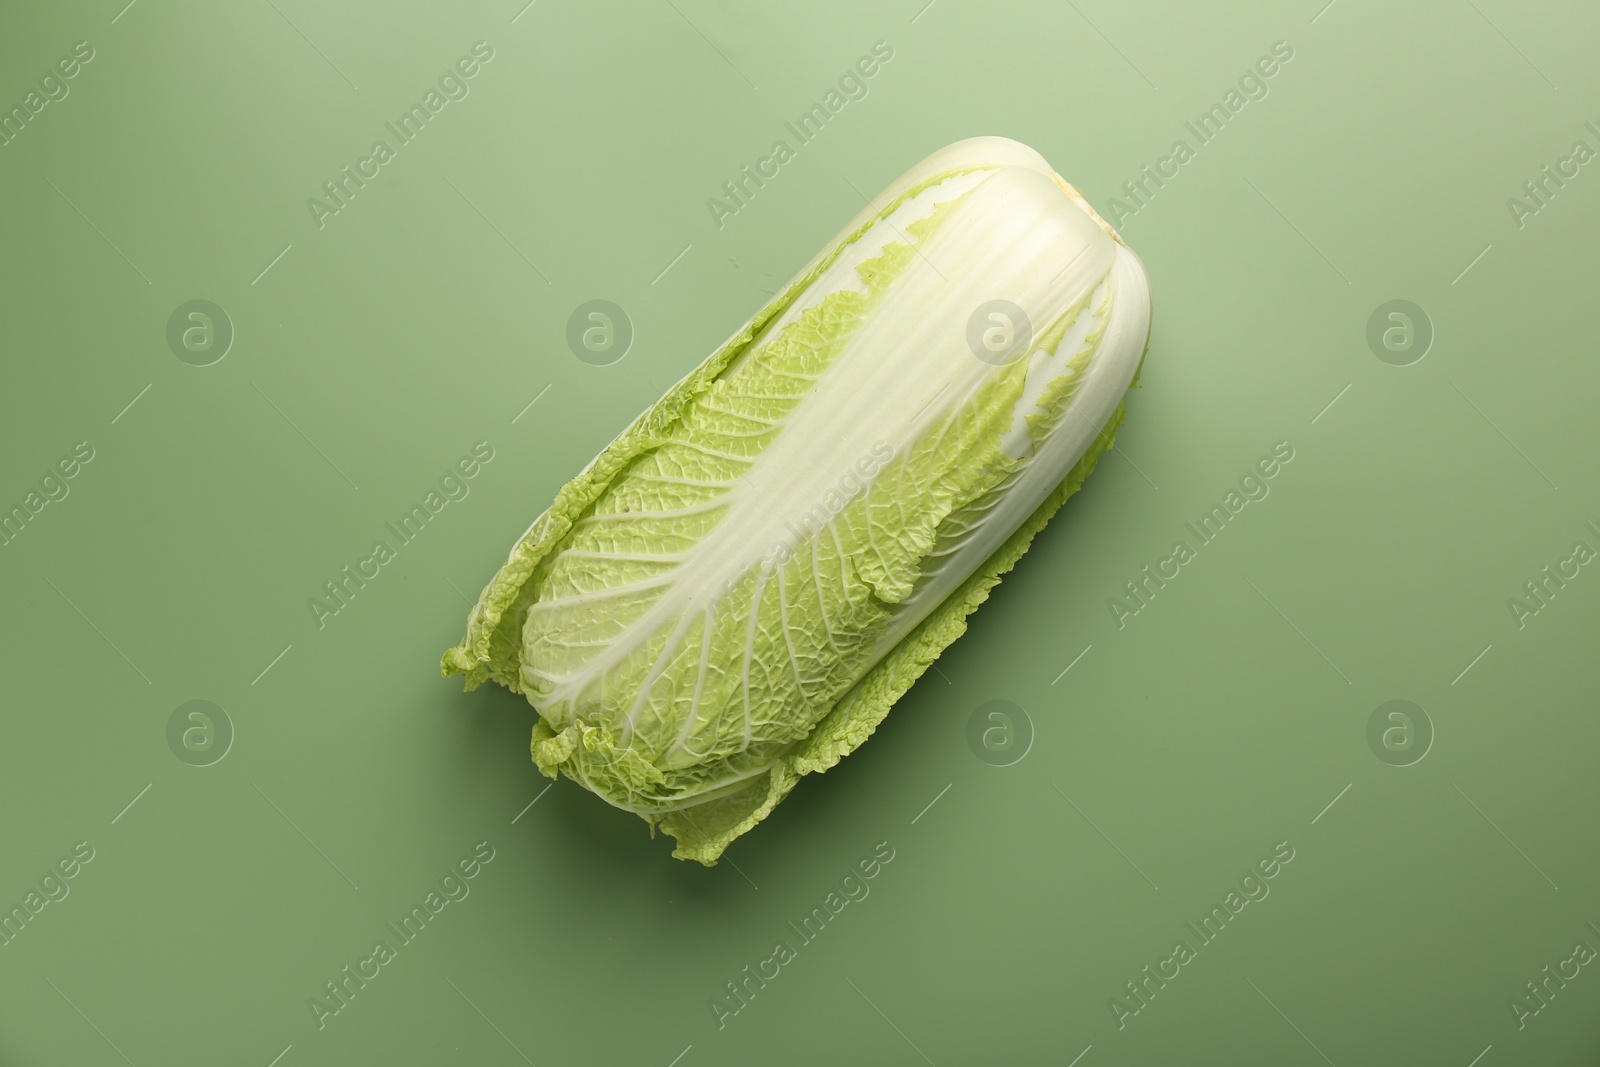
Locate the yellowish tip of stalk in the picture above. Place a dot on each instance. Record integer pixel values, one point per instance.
(1077, 198)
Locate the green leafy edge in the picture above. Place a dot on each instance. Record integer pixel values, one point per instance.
(491, 649)
(704, 831)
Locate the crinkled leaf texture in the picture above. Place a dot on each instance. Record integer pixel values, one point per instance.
(739, 587)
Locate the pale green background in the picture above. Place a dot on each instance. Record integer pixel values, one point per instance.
(415, 324)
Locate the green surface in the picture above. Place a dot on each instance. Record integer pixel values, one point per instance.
(1178, 752)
